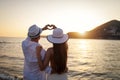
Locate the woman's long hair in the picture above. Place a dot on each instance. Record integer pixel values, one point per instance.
(60, 57)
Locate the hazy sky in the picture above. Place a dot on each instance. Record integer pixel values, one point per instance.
(71, 15)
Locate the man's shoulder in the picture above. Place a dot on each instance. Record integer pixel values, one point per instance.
(24, 42)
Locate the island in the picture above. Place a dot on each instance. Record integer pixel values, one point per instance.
(108, 30)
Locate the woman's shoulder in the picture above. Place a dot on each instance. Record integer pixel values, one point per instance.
(50, 50)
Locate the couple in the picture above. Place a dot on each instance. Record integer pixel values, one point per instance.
(45, 65)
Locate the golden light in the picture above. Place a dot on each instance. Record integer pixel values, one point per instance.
(82, 45)
(82, 32)
(78, 22)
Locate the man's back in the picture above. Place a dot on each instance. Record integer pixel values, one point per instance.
(31, 67)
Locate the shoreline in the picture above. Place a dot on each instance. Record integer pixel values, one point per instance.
(9, 77)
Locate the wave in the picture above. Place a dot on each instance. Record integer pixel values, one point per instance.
(92, 75)
(3, 42)
(8, 57)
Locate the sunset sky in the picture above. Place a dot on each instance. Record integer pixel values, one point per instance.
(71, 15)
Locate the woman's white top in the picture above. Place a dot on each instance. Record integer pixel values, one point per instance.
(62, 76)
(31, 68)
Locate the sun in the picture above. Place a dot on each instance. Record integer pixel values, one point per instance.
(82, 32)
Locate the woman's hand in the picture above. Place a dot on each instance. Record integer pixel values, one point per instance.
(53, 26)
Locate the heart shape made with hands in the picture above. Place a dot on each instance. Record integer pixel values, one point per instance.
(50, 27)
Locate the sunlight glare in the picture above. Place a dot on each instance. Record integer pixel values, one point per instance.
(78, 22)
(83, 45)
(82, 32)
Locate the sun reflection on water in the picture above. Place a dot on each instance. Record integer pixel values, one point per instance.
(82, 45)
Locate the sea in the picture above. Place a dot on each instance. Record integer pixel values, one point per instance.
(88, 59)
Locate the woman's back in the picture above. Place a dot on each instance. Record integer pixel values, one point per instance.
(58, 58)
(58, 64)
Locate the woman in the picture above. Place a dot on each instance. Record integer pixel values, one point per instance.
(57, 55)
